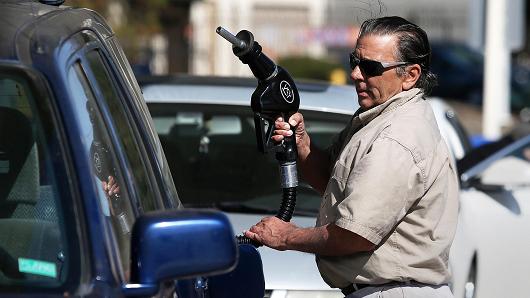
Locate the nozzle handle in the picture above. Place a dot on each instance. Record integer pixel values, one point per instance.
(231, 38)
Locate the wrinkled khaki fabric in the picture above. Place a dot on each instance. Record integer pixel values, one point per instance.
(393, 183)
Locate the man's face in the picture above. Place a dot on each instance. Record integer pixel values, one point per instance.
(375, 90)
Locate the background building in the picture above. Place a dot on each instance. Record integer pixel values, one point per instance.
(317, 28)
(170, 36)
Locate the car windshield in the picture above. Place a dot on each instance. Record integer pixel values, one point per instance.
(212, 153)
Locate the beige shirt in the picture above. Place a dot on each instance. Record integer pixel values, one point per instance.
(393, 183)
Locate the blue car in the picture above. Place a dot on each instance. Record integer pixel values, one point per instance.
(87, 203)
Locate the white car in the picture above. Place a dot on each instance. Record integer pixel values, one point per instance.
(216, 157)
(490, 255)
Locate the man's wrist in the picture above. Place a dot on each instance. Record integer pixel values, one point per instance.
(304, 147)
(290, 239)
(304, 239)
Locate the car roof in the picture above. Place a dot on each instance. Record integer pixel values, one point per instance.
(31, 29)
(314, 95)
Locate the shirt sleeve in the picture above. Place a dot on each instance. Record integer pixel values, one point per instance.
(382, 187)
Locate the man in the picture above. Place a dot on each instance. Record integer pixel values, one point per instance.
(389, 208)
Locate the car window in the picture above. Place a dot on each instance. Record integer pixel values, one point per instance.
(213, 156)
(131, 145)
(37, 233)
(115, 206)
(145, 118)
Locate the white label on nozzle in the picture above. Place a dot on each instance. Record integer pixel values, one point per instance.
(286, 91)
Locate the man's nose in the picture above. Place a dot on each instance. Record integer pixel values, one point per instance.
(356, 73)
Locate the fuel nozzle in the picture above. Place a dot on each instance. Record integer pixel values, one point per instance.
(276, 95)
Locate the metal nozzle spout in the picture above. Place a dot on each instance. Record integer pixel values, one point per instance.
(231, 38)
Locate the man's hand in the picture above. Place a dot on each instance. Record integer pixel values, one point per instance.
(111, 187)
(313, 163)
(272, 232)
(283, 129)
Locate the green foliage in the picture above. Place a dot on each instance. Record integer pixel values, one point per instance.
(309, 68)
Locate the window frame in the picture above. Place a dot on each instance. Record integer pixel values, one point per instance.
(80, 56)
(118, 159)
(117, 82)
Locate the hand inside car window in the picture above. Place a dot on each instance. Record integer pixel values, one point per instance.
(111, 189)
(116, 203)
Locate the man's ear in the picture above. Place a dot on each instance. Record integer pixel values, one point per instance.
(411, 76)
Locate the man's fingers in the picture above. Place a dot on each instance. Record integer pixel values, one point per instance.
(295, 119)
(283, 132)
(253, 236)
(281, 125)
(253, 229)
(277, 138)
(115, 189)
(280, 134)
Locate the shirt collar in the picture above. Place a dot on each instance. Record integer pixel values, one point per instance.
(389, 105)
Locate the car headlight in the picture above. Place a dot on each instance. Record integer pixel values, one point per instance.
(306, 294)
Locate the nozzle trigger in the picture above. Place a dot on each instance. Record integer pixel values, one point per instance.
(264, 129)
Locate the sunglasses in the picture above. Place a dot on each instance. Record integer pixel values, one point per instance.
(372, 68)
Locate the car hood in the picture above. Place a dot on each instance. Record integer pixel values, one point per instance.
(284, 269)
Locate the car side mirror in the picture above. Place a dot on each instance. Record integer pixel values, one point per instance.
(179, 244)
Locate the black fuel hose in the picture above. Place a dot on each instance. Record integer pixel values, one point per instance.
(286, 210)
